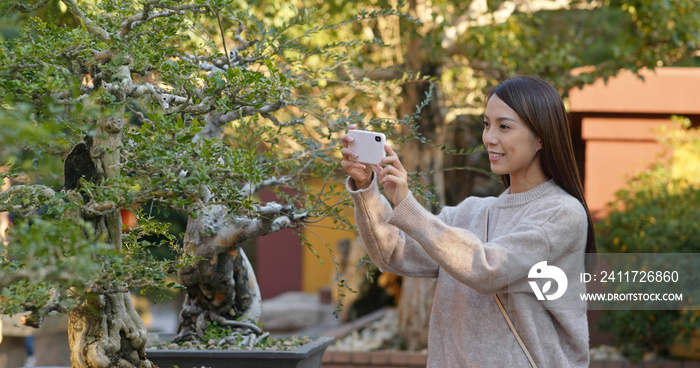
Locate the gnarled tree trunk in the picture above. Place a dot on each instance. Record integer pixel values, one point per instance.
(105, 331)
(222, 287)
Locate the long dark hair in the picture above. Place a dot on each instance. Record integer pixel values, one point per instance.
(541, 107)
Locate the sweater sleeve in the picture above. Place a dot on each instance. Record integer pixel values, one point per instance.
(387, 245)
(553, 227)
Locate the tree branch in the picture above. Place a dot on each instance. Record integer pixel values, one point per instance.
(148, 196)
(223, 38)
(290, 123)
(89, 23)
(383, 74)
(34, 192)
(249, 189)
(176, 104)
(36, 316)
(250, 110)
(215, 67)
(170, 103)
(273, 217)
(45, 273)
(27, 8)
(215, 120)
(233, 57)
(147, 15)
(94, 209)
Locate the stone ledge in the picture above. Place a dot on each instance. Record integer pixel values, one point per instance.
(374, 359)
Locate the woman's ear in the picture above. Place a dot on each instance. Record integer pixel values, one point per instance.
(539, 143)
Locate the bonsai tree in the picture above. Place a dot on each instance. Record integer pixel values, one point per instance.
(195, 106)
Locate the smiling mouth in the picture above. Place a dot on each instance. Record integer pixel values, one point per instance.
(496, 155)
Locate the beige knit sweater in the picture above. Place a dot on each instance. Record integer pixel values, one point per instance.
(466, 327)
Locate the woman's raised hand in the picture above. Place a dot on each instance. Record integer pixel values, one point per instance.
(393, 177)
(361, 173)
(390, 172)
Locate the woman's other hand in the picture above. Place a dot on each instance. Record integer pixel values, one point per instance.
(393, 177)
(359, 172)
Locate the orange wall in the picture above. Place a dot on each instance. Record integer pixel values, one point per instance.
(615, 150)
(619, 121)
(664, 90)
(323, 235)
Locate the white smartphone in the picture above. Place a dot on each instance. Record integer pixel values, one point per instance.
(368, 145)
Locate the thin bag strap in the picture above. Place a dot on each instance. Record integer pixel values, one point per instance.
(503, 310)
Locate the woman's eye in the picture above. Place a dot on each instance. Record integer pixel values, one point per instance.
(486, 124)
(503, 126)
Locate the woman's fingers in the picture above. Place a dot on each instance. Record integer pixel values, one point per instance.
(393, 176)
(348, 154)
(397, 180)
(392, 164)
(346, 138)
(393, 171)
(349, 165)
(392, 158)
(360, 173)
(395, 187)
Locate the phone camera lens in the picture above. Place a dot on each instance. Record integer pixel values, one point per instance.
(378, 138)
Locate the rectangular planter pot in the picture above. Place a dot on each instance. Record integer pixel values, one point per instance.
(306, 356)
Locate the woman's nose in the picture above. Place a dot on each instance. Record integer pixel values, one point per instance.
(489, 137)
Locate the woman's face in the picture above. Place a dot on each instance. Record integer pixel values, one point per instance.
(511, 145)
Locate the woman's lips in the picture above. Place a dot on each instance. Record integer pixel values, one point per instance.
(495, 156)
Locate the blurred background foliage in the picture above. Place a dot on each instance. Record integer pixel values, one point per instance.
(656, 213)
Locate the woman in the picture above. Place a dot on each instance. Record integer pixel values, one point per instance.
(542, 211)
